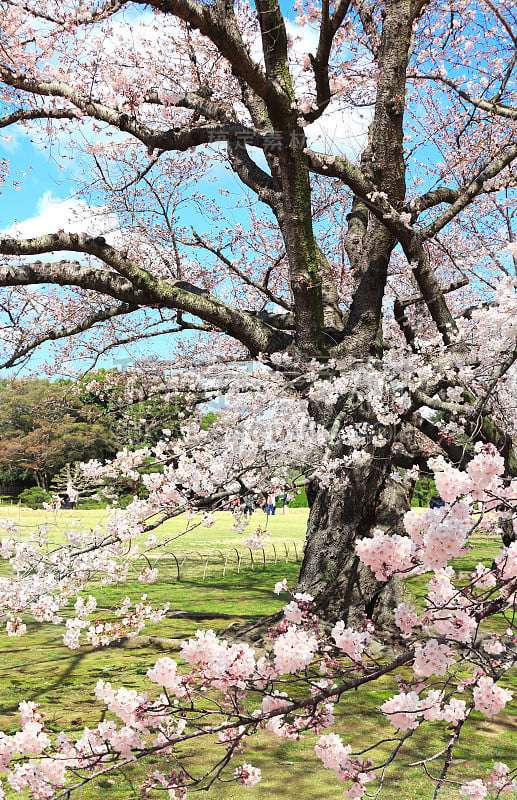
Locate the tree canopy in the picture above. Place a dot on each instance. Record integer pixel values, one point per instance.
(426, 201)
(43, 427)
(372, 270)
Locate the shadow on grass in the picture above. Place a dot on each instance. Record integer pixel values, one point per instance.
(59, 682)
(249, 579)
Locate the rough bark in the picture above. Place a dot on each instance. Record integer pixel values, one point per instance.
(343, 587)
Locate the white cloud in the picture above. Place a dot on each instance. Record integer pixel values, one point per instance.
(341, 130)
(71, 214)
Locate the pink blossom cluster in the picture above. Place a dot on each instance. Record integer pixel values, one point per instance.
(475, 790)
(337, 757)
(15, 627)
(297, 612)
(258, 539)
(403, 710)
(9, 525)
(350, 641)
(101, 632)
(406, 618)
(500, 780)
(148, 575)
(277, 724)
(449, 608)
(165, 673)
(407, 709)
(247, 775)
(433, 659)
(125, 703)
(506, 561)
(435, 709)
(483, 577)
(439, 534)
(280, 725)
(385, 554)
(493, 645)
(172, 783)
(203, 462)
(294, 650)
(481, 481)
(222, 664)
(489, 698)
(41, 777)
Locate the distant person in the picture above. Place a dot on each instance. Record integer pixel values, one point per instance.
(249, 506)
(285, 501)
(436, 502)
(73, 495)
(271, 504)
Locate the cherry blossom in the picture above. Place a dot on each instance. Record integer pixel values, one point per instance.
(490, 698)
(353, 305)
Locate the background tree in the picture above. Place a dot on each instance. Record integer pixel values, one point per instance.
(369, 280)
(42, 428)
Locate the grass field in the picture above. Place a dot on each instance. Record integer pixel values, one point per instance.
(283, 526)
(38, 666)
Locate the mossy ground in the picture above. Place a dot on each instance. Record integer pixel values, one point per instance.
(38, 667)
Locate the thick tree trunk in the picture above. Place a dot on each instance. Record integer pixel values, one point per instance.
(340, 514)
(343, 587)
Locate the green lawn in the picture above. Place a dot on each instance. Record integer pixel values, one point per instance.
(283, 526)
(38, 667)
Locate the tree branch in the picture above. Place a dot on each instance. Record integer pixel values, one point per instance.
(111, 7)
(233, 268)
(180, 140)
(71, 330)
(71, 273)
(469, 192)
(254, 177)
(320, 62)
(220, 27)
(492, 106)
(274, 40)
(428, 284)
(365, 11)
(444, 194)
(23, 114)
(455, 453)
(401, 303)
(255, 334)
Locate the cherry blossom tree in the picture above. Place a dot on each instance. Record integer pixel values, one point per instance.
(375, 280)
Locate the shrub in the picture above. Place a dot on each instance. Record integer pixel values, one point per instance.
(299, 500)
(34, 497)
(89, 504)
(425, 488)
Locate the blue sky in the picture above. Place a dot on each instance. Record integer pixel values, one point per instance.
(42, 174)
